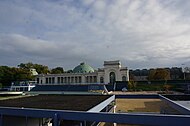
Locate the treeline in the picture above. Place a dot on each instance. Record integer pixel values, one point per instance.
(159, 74)
(10, 74)
(155, 74)
(22, 72)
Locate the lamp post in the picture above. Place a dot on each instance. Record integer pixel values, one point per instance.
(183, 70)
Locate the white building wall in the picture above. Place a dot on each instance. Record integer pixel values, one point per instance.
(109, 66)
(112, 66)
(107, 74)
(100, 74)
(126, 74)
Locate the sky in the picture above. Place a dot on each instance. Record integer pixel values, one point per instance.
(139, 33)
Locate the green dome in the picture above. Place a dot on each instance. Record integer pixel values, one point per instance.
(83, 68)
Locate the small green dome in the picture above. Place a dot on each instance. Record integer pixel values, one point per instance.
(83, 68)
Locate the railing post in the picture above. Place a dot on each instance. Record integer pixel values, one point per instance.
(55, 120)
(1, 120)
(26, 121)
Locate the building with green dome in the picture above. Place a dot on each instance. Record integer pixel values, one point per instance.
(85, 74)
(83, 68)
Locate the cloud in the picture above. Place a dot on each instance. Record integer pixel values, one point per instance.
(141, 33)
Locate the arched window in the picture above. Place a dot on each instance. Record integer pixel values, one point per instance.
(124, 78)
(80, 79)
(112, 77)
(90, 79)
(101, 80)
(38, 80)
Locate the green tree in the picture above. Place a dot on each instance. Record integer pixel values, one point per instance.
(27, 66)
(10, 74)
(41, 69)
(1, 85)
(21, 74)
(57, 70)
(6, 75)
(70, 71)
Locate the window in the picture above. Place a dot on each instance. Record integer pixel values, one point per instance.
(50, 80)
(112, 77)
(69, 79)
(53, 80)
(124, 78)
(90, 79)
(75, 79)
(80, 80)
(101, 80)
(86, 79)
(65, 79)
(46, 80)
(95, 79)
(58, 80)
(61, 79)
(72, 79)
(38, 80)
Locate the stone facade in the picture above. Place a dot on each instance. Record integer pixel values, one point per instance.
(111, 72)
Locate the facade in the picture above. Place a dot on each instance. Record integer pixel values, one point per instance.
(85, 74)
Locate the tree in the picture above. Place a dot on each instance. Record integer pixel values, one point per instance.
(151, 74)
(57, 70)
(6, 76)
(167, 87)
(159, 74)
(27, 66)
(41, 69)
(21, 74)
(10, 74)
(131, 76)
(186, 70)
(70, 71)
(132, 85)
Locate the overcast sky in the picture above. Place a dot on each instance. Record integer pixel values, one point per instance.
(140, 33)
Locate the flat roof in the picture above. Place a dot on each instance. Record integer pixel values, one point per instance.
(181, 97)
(56, 102)
(185, 103)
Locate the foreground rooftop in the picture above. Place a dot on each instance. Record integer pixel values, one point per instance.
(56, 102)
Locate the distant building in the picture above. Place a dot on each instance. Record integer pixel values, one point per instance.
(139, 75)
(33, 72)
(142, 75)
(85, 74)
(176, 73)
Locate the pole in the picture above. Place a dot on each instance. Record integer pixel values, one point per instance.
(184, 75)
(183, 70)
